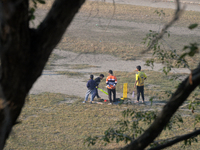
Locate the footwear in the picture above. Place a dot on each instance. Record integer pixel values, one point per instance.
(83, 101)
(109, 103)
(136, 102)
(143, 102)
(98, 97)
(90, 102)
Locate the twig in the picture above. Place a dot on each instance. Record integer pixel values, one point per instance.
(176, 17)
(177, 54)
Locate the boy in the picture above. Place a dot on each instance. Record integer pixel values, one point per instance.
(98, 80)
(140, 77)
(111, 82)
(91, 84)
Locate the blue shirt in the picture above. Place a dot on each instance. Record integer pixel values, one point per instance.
(91, 84)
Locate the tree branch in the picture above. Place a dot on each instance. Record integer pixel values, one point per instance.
(45, 38)
(176, 140)
(24, 53)
(177, 99)
(176, 17)
(56, 22)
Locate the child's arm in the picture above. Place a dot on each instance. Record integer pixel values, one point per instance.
(135, 83)
(145, 76)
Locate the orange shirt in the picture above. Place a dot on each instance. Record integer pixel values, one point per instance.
(111, 82)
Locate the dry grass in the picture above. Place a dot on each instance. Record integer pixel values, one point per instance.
(127, 52)
(52, 59)
(136, 13)
(71, 74)
(50, 121)
(131, 12)
(81, 66)
(128, 46)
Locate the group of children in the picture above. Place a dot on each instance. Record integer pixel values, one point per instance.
(111, 82)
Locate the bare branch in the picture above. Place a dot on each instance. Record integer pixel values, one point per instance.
(177, 55)
(177, 99)
(176, 17)
(49, 33)
(177, 139)
(25, 51)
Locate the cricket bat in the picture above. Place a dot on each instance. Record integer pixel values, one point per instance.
(103, 91)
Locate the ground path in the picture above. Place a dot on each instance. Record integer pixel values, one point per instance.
(50, 81)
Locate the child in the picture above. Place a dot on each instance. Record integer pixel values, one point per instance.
(98, 80)
(91, 84)
(140, 77)
(111, 82)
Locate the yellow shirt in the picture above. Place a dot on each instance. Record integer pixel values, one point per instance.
(140, 77)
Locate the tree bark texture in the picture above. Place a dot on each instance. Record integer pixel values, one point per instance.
(24, 52)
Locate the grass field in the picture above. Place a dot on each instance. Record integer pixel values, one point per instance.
(125, 41)
(132, 13)
(50, 121)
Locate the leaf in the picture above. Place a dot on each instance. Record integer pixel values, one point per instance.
(192, 26)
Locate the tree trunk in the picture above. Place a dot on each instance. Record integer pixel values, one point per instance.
(24, 53)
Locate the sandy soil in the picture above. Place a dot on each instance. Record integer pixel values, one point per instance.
(50, 81)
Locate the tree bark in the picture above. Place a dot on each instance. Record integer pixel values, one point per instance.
(24, 52)
(177, 139)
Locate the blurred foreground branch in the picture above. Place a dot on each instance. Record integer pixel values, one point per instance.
(177, 15)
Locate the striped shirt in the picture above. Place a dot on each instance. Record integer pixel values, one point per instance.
(111, 82)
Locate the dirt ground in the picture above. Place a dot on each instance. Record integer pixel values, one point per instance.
(190, 4)
(51, 81)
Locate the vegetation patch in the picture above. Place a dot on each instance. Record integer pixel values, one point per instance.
(129, 46)
(52, 59)
(81, 66)
(137, 13)
(87, 46)
(71, 73)
(131, 12)
(49, 124)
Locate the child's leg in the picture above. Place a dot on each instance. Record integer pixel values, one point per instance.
(138, 93)
(114, 95)
(93, 94)
(142, 92)
(87, 94)
(109, 95)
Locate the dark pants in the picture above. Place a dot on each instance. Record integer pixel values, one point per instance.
(114, 95)
(97, 94)
(140, 89)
